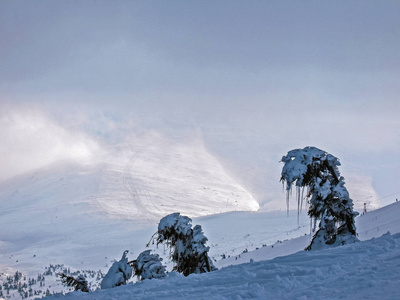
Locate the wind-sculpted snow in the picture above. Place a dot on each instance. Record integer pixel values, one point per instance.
(366, 270)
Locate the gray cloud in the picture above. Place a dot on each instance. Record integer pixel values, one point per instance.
(186, 47)
(257, 78)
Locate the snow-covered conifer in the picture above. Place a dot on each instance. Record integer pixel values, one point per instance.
(189, 252)
(328, 197)
(79, 283)
(148, 266)
(119, 273)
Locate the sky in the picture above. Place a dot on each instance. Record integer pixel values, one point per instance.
(255, 78)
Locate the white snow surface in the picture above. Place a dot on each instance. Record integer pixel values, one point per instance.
(85, 214)
(282, 270)
(82, 206)
(365, 270)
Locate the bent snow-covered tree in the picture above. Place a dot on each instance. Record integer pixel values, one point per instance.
(189, 252)
(148, 266)
(329, 199)
(118, 274)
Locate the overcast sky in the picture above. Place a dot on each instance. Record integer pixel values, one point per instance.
(259, 77)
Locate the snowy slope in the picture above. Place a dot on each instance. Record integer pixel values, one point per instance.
(227, 235)
(239, 232)
(73, 205)
(152, 176)
(145, 178)
(369, 225)
(85, 213)
(366, 270)
(377, 222)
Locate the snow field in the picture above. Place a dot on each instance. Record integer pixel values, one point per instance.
(365, 270)
(280, 270)
(236, 232)
(73, 205)
(84, 215)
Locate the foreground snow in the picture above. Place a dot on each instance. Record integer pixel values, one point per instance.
(365, 270)
(265, 235)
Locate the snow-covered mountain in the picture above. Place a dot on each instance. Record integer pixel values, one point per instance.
(146, 178)
(241, 237)
(83, 213)
(71, 207)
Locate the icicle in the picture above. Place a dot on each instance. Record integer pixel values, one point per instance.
(315, 224)
(302, 198)
(287, 199)
(298, 204)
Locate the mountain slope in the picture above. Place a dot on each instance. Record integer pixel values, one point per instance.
(366, 270)
(370, 225)
(146, 178)
(63, 212)
(229, 234)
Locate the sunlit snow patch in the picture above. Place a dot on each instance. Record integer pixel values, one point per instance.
(150, 176)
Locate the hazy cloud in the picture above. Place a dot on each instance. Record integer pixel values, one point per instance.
(256, 78)
(30, 139)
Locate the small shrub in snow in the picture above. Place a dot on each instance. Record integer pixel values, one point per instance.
(189, 252)
(79, 283)
(329, 199)
(148, 266)
(119, 273)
